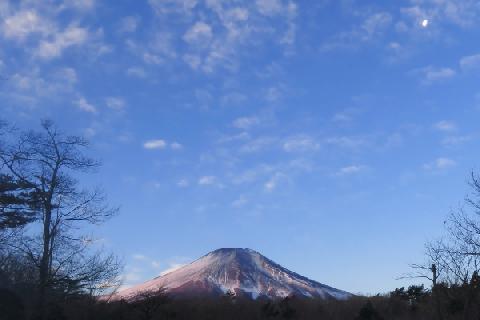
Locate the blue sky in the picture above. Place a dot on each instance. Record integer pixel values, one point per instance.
(332, 136)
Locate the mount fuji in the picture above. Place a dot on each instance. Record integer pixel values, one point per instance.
(243, 272)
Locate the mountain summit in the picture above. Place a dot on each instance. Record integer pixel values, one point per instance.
(244, 272)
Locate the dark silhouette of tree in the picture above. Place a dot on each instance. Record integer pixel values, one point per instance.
(148, 303)
(269, 310)
(453, 262)
(48, 162)
(286, 309)
(11, 305)
(18, 202)
(368, 312)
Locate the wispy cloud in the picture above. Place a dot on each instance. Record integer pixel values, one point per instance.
(137, 72)
(440, 164)
(155, 144)
(372, 27)
(71, 36)
(183, 183)
(300, 143)
(274, 181)
(207, 180)
(176, 146)
(445, 125)
(161, 144)
(470, 63)
(84, 105)
(129, 24)
(347, 142)
(456, 140)
(246, 122)
(115, 103)
(462, 14)
(199, 34)
(430, 75)
(216, 33)
(139, 256)
(257, 144)
(350, 170)
(240, 202)
(22, 24)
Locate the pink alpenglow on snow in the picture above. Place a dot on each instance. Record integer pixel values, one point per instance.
(243, 272)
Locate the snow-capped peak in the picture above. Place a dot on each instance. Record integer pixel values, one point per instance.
(241, 271)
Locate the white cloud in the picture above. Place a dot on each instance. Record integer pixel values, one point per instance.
(353, 169)
(269, 7)
(132, 277)
(273, 182)
(182, 7)
(218, 32)
(238, 14)
(176, 146)
(84, 105)
(137, 72)
(115, 103)
(72, 36)
(199, 34)
(194, 61)
(129, 24)
(300, 143)
(470, 63)
(245, 122)
(80, 4)
(233, 98)
(440, 164)
(152, 58)
(463, 13)
(24, 23)
(431, 74)
(207, 180)
(68, 75)
(240, 202)
(155, 144)
(445, 125)
(273, 94)
(291, 32)
(34, 86)
(183, 183)
(443, 163)
(258, 144)
(139, 256)
(90, 132)
(347, 142)
(455, 140)
(373, 26)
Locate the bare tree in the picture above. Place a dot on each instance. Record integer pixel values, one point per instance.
(454, 260)
(48, 161)
(149, 302)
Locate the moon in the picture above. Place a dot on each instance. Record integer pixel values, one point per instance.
(425, 23)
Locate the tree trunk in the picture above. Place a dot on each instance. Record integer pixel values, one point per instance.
(435, 293)
(44, 265)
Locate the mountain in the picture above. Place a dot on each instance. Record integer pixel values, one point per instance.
(244, 272)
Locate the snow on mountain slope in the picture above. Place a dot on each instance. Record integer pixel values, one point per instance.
(242, 271)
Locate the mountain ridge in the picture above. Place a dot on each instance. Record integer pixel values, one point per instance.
(241, 271)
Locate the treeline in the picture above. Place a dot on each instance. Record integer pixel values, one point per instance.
(414, 303)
